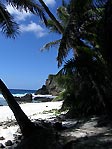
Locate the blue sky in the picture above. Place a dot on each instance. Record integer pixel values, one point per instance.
(22, 64)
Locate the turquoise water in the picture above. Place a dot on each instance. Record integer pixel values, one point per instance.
(16, 92)
(21, 91)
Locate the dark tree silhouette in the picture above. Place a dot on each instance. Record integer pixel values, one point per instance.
(26, 126)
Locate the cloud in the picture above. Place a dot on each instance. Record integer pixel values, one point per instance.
(33, 27)
(50, 2)
(19, 16)
(22, 15)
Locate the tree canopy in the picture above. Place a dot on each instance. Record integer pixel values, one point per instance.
(7, 23)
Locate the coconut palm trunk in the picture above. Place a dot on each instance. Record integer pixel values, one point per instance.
(26, 126)
(57, 24)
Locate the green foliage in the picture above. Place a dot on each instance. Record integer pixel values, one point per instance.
(62, 17)
(9, 27)
(51, 44)
(59, 97)
(87, 77)
(51, 26)
(51, 76)
(7, 23)
(86, 82)
(53, 111)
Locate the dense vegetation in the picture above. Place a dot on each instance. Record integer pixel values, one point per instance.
(87, 76)
(88, 32)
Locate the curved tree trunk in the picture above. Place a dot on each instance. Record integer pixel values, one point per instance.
(57, 24)
(26, 126)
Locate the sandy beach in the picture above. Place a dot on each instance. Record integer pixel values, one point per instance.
(32, 110)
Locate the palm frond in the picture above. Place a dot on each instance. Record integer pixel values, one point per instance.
(9, 27)
(64, 4)
(63, 15)
(69, 68)
(100, 3)
(51, 26)
(71, 37)
(80, 6)
(67, 40)
(52, 17)
(29, 5)
(51, 44)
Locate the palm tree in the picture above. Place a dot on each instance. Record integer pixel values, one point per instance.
(56, 22)
(9, 26)
(26, 126)
(73, 24)
(82, 34)
(62, 17)
(11, 29)
(68, 72)
(76, 28)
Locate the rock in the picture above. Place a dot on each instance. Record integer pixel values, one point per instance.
(51, 87)
(2, 146)
(17, 137)
(26, 98)
(17, 98)
(40, 139)
(43, 99)
(15, 145)
(19, 130)
(42, 91)
(58, 126)
(8, 143)
(2, 138)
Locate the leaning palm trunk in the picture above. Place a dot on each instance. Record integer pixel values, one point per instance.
(57, 24)
(26, 126)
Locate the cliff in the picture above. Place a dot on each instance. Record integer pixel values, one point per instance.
(51, 87)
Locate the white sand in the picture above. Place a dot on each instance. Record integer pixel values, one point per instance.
(32, 110)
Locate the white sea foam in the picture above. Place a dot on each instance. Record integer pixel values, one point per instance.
(3, 101)
(19, 95)
(1, 96)
(43, 96)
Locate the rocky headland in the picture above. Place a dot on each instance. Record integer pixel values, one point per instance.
(51, 87)
(49, 91)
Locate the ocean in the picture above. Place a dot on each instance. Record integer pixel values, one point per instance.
(16, 92)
